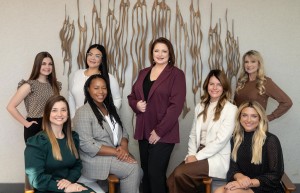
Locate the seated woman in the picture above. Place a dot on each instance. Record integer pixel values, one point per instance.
(52, 162)
(209, 140)
(257, 161)
(103, 140)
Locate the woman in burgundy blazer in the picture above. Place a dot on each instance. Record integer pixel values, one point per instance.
(157, 98)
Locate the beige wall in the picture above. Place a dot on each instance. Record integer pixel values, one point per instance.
(270, 26)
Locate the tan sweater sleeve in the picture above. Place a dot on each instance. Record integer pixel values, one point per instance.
(285, 103)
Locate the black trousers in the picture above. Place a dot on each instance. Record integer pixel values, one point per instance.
(154, 162)
(33, 129)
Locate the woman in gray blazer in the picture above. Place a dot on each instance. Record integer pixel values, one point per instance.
(209, 140)
(103, 140)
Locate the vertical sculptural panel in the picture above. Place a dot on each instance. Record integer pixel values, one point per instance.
(139, 21)
(195, 46)
(121, 34)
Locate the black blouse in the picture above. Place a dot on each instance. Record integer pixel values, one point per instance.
(147, 85)
(269, 172)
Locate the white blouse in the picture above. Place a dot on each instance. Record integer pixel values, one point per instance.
(114, 128)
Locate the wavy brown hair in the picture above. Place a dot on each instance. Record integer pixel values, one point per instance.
(225, 96)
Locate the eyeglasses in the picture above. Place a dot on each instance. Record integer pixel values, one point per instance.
(97, 56)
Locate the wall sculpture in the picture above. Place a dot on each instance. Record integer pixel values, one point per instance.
(181, 45)
(115, 35)
(139, 21)
(196, 37)
(66, 35)
(232, 53)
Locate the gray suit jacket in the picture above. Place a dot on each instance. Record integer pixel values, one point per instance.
(92, 136)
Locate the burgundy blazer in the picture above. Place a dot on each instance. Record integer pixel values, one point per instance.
(165, 102)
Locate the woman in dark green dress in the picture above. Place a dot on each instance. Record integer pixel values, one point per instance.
(52, 162)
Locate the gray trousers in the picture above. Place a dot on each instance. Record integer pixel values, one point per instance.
(129, 174)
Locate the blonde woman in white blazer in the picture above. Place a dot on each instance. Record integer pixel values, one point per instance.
(209, 140)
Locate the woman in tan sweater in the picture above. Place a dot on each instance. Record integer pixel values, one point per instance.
(253, 85)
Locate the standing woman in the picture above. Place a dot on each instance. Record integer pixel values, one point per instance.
(157, 98)
(209, 140)
(51, 157)
(255, 86)
(256, 164)
(35, 91)
(103, 140)
(95, 63)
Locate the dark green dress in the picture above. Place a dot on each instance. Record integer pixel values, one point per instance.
(43, 170)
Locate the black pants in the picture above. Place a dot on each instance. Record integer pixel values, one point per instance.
(154, 162)
(33, 129)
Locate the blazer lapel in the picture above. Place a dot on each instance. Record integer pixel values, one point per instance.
(162, 77)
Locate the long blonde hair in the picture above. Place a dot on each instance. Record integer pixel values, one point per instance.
(259, 136)
(205, 98)
(66, 128)
(260, 78)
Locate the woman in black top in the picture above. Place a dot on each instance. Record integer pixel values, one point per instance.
(256, 161)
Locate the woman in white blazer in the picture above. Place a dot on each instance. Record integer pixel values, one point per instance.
(209, 140)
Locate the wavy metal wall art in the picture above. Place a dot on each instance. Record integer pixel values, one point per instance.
(82, 40)
(232, 53)
(181, 47)
(66, 35)
(215, 59)
(139, 21)
(196, 41)
(125, 39)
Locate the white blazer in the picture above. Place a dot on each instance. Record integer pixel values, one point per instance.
(217, 148)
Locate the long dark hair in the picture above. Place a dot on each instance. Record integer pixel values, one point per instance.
(108, 101)
(38, 61)
(103, 67)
